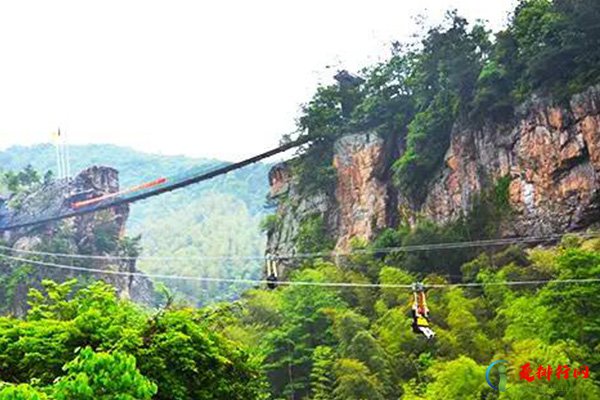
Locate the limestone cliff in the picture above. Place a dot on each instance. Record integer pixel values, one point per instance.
(96, 234)
(551, 154)
(292, 209)
(364, 195)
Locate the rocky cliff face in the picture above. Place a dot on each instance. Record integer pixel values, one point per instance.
(92, 234)
(292, 209)
(364, 195)
(550, 153)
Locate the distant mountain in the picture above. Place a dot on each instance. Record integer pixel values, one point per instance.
(249, 184)
(213, 218)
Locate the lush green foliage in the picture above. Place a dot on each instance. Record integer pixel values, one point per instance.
(313, 236)
(25, 179)
(102, 376)
(270, 223)
(90, 345)
(203, 234)
(490, 209)
(20, 183)
(442, 83)
(357, 343)
(557, 45)
(312, 342)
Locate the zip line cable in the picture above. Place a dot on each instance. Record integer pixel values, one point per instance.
(294, 283)
(409, 248)
(439, 246)
(178, 183)
(128, 258)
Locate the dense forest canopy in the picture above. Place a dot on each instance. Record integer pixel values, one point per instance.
(91, 345)
(351, 343)
(357, 343)
(308, 342)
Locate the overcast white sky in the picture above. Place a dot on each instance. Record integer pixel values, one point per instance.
(218, 79)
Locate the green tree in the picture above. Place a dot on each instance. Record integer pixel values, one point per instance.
(354, 381)
(19, 181)
(177, 349)
(321, 374)
(306, 325)
(457, 379)
(94, 375)
(312, 235)
(21, 392)
(442, 82)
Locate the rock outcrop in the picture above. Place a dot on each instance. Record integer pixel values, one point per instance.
(363, 193)
(292, 209)
(551, 154)
(94, 234)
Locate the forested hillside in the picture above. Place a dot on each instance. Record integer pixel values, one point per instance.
(391, 166)
(135, 167)
(339, 324)
(357, 343)
(91, 345)
(219, 217)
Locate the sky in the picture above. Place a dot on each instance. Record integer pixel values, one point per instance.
(221, 79)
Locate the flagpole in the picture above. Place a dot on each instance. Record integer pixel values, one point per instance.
(61, 148)
(57, 149)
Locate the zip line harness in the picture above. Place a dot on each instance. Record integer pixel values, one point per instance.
(271, 272)
(420, 312)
